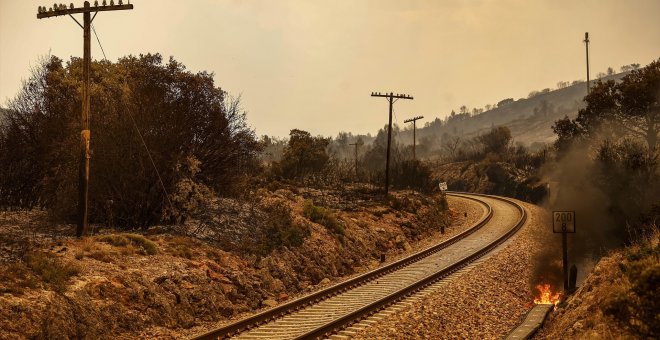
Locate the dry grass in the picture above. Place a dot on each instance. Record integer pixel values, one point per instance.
(15, 278)
(147, 246)
(179, 246)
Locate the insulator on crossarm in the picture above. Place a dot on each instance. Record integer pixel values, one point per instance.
(96, 3)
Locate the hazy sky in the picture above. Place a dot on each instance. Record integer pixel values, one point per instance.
(311, 64)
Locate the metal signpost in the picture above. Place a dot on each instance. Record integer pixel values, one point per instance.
(564, 222)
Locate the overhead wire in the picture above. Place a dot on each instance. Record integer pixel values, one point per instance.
(137, 129)
(97, 39)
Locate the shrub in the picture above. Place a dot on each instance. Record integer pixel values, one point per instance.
(323, 217)
(51, 270)
(415, 174)
(636, 305)
(281, 230)
(303, 155)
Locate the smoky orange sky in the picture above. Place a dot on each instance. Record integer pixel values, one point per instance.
(311, 64)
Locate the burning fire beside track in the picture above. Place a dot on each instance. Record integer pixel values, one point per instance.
(546, 295)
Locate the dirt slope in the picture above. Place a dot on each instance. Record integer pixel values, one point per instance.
(163, 285)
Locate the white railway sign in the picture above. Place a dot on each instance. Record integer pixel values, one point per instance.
(442, 186)
(563, 221)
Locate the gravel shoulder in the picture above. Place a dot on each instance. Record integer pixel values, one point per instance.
(484, 303)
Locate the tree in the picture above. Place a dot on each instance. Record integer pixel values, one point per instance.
(610, 71)
(451, 143)
(464, 110)
(497, 140)
(181, 116)
(626, 109)
(303, 155)
(504, 102)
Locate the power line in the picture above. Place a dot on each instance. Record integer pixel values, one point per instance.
(144, 143)
(162, 185)
(97, 39)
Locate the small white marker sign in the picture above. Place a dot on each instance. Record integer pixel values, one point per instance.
(563, 221)
(443, 186)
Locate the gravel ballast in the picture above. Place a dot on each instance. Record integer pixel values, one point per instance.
(485, 302)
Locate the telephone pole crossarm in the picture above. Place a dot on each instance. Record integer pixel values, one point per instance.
(413, 119)
(391, 95)
(62, 10)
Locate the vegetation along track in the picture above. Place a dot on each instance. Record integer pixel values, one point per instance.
(327, 311)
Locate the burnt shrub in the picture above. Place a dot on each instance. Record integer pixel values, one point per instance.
(414, 174)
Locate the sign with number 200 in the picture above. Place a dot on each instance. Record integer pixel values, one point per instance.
(563, 221)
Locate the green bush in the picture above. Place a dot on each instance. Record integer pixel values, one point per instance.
(323, 217)
(51, 270)
(281, 230)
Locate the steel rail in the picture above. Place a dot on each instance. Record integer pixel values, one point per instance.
(274, 313)
(340, 323)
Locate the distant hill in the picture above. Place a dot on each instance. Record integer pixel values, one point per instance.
(530, 119)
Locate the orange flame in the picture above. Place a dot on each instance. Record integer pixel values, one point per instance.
(546, 296)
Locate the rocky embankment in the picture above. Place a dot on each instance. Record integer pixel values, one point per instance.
(165, 284)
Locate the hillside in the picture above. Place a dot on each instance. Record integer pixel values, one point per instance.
(530, 119)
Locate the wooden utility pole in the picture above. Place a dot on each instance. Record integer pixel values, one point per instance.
(356, 144)
(85, 135)
(391, 98)
(414, 121)
(586, 43)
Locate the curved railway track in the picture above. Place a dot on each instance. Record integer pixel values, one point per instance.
(325, 312)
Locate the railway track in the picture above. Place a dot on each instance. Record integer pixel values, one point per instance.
(324, 313)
